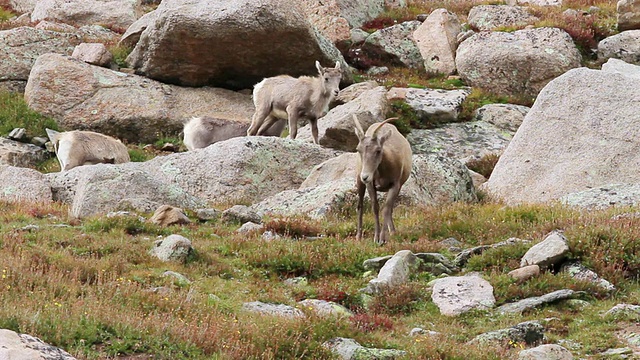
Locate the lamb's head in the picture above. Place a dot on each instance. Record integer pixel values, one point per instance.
(370, 149)
(330, 79)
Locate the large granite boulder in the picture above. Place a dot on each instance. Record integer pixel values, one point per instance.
(491, 17)
(624, 46)
(118, 14)
(20, 47)
(521, 62)
(80, 96)
(436, 39)
(14, 346)
(628, 14)
(22, 184)
(571, 140)
(220, 43)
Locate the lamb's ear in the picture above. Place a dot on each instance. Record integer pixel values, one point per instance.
(358, 128)
(337, 65)
(319, 67)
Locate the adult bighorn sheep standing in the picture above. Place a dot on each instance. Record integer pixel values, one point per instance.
(200, 132)
(76, 148)
(286, 97)
(384, 164)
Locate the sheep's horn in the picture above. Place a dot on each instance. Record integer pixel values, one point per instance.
(375, 132)
(357, 122)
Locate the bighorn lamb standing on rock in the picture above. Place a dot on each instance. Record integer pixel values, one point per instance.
(76, 148)
(286, 97)
(384, 164)
(200, 132)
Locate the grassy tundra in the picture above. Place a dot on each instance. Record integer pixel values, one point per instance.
(87, 286)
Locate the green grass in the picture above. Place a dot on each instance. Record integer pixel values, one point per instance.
(14, 113)
(90, 283)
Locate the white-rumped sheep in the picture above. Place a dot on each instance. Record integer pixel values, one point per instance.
(289, 98)
(200, 132)
(384, 164)
(76, 148)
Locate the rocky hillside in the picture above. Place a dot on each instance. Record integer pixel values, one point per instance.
(527, 105)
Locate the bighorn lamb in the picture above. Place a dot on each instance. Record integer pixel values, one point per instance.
(384, 164)
(289, 98)
(76, 148)
(200, 132)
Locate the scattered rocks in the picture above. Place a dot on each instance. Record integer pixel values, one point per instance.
(546, 352)
(167, 215)
(581, 272)
(528, 332)
(326, 308)
(394, 272)
(349, 349)
(624, 312)
(241, 214)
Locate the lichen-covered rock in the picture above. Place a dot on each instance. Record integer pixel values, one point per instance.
(14, 346)
(282, 310)
(394, 45)
(22, 184)
(528, 332)
(349, 349)
(219, 43)
(456, 295)
(507, 117)
(434, 106)
(113, 13)
(172, 248)
(491, 17)
(241, 214)
(521, 62)
(326, 308)
(594, 125)
(533, 302)
(624, 46)
(395, 272)
(548, 252)
(436, 39)
(580, 272)
(546, 352)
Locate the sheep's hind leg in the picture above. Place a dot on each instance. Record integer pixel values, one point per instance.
(293, 122)
(373, 195)
(388, 227)
(361, 189)
(266, 124)
(258, 119)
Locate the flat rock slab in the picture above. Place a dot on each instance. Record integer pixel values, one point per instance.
(459, 294)
(533, 302)
(14, 346)
(529, 332)
(548, 252)
(282, 310)
(349, 349)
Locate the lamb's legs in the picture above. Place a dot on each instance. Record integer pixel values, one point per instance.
(266, 124)
(388, 227)
(373, 195)
(314, 130)
(293, 122)
(258, 118)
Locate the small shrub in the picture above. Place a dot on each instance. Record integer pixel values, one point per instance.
(485, 165)
(371, 322)
(296, 228)
(407, 117)
(120, 54)
(402, 300)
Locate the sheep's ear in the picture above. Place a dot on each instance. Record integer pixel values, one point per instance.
(358, 129)
(384, 137)
(319, 67)
(337, 65)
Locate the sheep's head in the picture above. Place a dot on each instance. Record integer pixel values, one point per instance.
(370, 149)
(330, 79)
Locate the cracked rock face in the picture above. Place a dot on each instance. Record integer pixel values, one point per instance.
(459, 294)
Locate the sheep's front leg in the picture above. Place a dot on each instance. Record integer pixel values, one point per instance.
(360, 189)
(314, 130)
(387, 213)
(373, 195)
(292, 113)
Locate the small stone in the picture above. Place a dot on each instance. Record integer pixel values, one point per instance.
(169, 147)
(39, 141)
(525, 273)
(250, 227)
(17, 134)
(207, 214)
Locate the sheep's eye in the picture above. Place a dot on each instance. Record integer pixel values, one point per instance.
(378, 152)
(326, 79)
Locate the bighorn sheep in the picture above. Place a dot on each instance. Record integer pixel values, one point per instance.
(289, 98)
(76, 148)
(200, 132)
(384, 164)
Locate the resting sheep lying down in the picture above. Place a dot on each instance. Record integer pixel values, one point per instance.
(76, 148)
(200, 132)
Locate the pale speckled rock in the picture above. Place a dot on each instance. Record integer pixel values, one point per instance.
(491, 17)
(250, 227)
(99, 99)
(595, 125)
(628, 14)
(93, 53)
(375, 264)
(358, 12)
(546, 352)
(241, 214)
(432, 105)
(20, 47)
(461, 141)
(282, 310)
(167, 215)
(22, 184)
(521, 62)
(172, 248)
(548, 252)
(621, 67)
(525, 273)
(336, 130)
(131, 37)
(16, 346)
(177, 277)
(394, 272)
(624, 312)
(114, 13)
(507, 117)
(533, 302)
(99, 189)
(353, 91)
(459, 294)
(326, 308)
(394, 45)
(528, 332)
(326, 16)
(535, 2)
(227, 47)
(436, 39)
(19, 154)
(23, 6)
(624, 46)
(349, 349)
